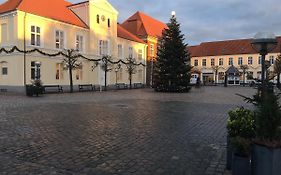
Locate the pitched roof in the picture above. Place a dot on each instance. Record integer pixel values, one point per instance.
(148, 25)
(123, 33)
(53, 9)
(232, 70)
(229, 47)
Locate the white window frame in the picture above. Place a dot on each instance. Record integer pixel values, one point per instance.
(79, 43)
(204, 62)
(271, 60)
(250, 60)
(230, 61)
(196, 62)
(36, 35)
(240, 61)
(120, 51)
(60, 39)
(221, 62)
(213, 62)
(103, 47)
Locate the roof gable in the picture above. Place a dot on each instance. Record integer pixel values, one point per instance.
(148, 25)
(123, 33)
(104, 4)
(53, 9)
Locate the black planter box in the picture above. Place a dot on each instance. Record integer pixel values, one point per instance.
(241, 165)
(229, 153)
(265, 160)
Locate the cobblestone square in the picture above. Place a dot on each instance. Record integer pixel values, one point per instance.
(136, 132)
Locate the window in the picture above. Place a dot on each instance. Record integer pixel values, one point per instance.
(35, 70)
(230, 61)
(221, 76)
(79, 43)
(271, 60)
(108, 22)
(103, 47)
(240, 61)
(79, 73)
(152, 50)
(212, 62)
(130, 52)
(4, 34)
(259, 59)
(204, 62)
(4, 70)
(98, 19)
(59, 39)
(250, 60)
(120, 51)
(139, 54)
(221, 62)
(59, 71)
(195, 62)
(35, 36)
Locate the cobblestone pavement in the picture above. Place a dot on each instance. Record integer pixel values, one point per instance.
(118, 132)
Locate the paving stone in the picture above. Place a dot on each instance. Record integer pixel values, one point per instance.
(117, 132)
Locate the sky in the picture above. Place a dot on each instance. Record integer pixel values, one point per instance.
(209, 20)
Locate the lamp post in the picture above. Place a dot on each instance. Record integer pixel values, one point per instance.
(263, 43)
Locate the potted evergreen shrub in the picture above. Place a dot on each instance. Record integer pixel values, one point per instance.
(35, 88)
(266, 150)
(240, 126)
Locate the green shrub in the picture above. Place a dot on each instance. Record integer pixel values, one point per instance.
(241, 123)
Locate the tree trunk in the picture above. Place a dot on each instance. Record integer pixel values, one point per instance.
(70, 75)
(70, 78)
(278, 80)
(130, 78)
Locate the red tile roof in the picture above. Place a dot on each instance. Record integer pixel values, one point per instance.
(53, 9)
(229, 47)
(144, 25)
(123, 33)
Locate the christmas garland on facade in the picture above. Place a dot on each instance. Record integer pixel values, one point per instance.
(69, 54)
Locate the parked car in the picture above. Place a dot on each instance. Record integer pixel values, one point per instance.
(254, 82)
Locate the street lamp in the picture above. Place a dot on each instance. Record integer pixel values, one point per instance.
(264, 43)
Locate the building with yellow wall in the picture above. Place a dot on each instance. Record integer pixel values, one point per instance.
(208, 57)
(89, 27)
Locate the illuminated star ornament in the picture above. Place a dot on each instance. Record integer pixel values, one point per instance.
(173, 13)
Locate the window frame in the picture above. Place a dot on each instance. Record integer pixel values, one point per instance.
(61, 39)
(37, 36)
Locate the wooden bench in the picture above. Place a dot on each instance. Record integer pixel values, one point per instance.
(56, 88)
(121, 86)
(86, 87)
(138, 85)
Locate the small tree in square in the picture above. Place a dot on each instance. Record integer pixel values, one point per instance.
(172, 70)
(71, 63)
(131, 66)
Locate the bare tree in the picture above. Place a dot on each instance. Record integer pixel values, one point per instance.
(131, 66)
(71, 63)
(215, 70)
(244, 69)
(106, 67)
(277, 69)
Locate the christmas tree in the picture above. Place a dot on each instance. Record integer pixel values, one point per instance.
(172, 70)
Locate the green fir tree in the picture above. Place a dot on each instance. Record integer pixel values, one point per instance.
(172, 70)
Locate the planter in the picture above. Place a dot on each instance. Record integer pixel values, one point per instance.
(229, 153)
(32, 90)
(241, 165)
(265, 160)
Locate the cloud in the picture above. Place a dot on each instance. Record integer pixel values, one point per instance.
(209, 20)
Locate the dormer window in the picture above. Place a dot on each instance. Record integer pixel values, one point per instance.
(98, 19)
(108, 22)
